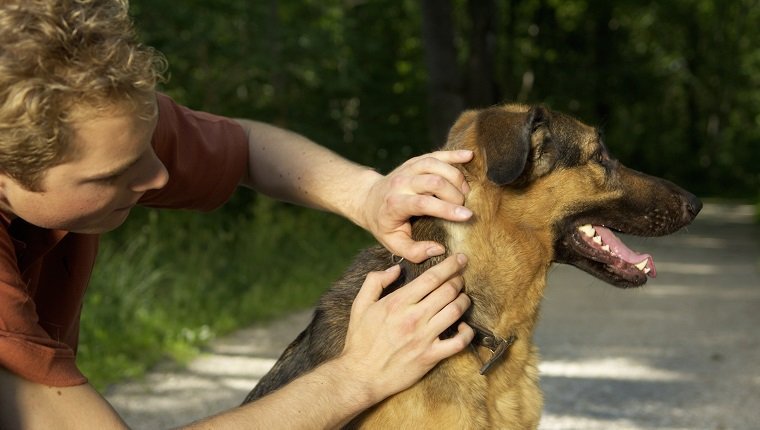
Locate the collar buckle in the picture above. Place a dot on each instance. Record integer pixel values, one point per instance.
(487, 339)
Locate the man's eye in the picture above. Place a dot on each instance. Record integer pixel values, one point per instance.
(111, 179)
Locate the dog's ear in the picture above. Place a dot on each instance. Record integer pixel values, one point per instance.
(459, 129)
(506, 138)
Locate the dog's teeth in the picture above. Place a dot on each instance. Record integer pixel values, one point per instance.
(643, 266)
(647, 270)
(587, 230)
(606, 248)
(597, 240)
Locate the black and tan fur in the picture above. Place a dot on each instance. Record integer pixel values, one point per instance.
(536, 176)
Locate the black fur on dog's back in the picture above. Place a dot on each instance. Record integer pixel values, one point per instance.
(324, 337)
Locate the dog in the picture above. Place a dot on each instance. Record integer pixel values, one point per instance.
(544, 190)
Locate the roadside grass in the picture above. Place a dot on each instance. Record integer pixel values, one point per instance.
(167, 282)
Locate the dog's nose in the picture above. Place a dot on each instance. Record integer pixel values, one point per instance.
(691, 206)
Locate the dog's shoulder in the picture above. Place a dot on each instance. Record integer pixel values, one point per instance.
(344, 290)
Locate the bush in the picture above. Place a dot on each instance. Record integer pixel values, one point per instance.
(167, 281)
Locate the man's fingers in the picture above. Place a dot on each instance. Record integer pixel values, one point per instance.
(403, 207)
(438, 186)
(451, 157)
(402, 245)
(439, 163)
(442, 296)
(373, 286)
(434, 277)
(450, 314)
(444, 348)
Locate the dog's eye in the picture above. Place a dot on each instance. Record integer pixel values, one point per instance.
(603, 159)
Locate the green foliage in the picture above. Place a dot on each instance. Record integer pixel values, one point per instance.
(167, 282)
(675, 85)
(349, 75)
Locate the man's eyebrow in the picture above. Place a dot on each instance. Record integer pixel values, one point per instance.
(121, 169)
(115, 172)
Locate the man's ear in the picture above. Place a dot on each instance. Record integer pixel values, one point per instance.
(3, 184)
(506, 139)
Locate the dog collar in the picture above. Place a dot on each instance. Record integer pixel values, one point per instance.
(483, 337)
(487, 339)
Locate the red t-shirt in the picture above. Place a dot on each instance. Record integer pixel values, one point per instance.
(44, 273)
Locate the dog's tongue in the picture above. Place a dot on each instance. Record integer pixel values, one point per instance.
(622, 251)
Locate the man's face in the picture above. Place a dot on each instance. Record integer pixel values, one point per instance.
(111, 166)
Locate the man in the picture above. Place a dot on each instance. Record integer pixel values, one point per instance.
(84, 138)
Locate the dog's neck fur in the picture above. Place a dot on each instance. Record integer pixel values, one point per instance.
(505, 280)
(495, 346)
(506, 293)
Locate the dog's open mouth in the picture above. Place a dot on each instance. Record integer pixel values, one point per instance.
(610, 259)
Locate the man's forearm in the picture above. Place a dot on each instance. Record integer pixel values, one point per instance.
(326, 398)
(29, 405)
(290, 167)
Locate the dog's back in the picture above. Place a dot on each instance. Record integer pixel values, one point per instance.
(323, 338)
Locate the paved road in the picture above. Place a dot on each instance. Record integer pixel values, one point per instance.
(681, 353)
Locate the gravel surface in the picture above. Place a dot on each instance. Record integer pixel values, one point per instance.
(681, 353)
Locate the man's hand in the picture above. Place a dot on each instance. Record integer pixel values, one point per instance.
(424, 185)
(393, 342)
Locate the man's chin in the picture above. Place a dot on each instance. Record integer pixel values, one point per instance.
(112, 222)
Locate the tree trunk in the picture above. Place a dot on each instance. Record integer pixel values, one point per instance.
(481, 87)
(509, 86)
(603, 61)
(277, 77)
(445, 101)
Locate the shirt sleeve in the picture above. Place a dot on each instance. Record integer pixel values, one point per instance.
(206, 156)
(26, 349)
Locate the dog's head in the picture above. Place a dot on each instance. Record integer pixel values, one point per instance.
(550, 177)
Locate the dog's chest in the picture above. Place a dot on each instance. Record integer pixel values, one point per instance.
(452, 396)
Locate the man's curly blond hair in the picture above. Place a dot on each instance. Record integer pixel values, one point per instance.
(60, 58)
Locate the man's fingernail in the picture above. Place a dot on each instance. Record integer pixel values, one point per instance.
(462, 259)
(434, 251)
(465, 153)
(463, 212)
